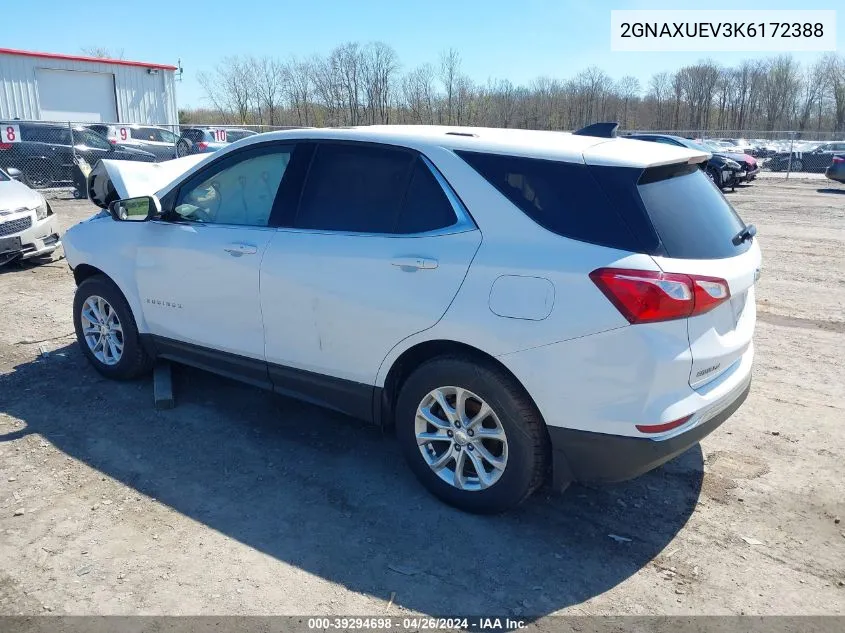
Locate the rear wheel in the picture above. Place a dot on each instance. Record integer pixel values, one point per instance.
(183, 148)
(471, 434)
(38, 174)
(106, 330)
(797, 165)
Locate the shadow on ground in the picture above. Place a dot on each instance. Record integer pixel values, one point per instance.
(332, 496)
(831, 190)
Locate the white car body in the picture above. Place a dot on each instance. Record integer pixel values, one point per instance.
(25, 220)
(341, 308)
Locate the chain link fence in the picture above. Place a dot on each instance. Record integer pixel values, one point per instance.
(781, 154)
(60, 154)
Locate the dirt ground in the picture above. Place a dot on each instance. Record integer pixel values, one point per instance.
(243, 502)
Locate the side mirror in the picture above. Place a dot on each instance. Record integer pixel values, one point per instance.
(135, 209)
(14, 173)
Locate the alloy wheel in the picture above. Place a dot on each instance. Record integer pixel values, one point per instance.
(461, 438)
(102, 330)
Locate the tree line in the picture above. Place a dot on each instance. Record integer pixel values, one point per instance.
(360, 84)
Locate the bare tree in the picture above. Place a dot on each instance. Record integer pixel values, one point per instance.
(629, 91)
(229, 88)
(779, 90)
(379, 67)
(450, 70)
(102, 52)
(419, 95)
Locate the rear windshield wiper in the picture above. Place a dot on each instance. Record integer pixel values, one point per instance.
(745, 234)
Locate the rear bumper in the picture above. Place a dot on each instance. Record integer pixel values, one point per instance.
(585, 456)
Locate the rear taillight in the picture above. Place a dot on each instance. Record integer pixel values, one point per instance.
(5, 146)
(113, 141)
(645, 296)
(836, 159)
(202, 145)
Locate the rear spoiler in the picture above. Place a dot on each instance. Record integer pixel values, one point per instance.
(112, 180)
(606, 129)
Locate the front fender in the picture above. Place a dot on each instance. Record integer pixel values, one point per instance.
(108, 246)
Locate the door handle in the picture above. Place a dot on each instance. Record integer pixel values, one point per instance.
(238, 249)
(415, 263)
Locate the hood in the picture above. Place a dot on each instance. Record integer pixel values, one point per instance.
(15, 195)
(112, 180)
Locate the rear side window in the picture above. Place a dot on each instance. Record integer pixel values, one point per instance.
(46, 134)
(690, 215)
(426, 206)
(561, 197)
(354, 188)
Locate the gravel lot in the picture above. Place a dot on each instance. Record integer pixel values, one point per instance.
(242, 502)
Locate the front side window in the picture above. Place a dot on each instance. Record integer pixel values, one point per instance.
(355, 188)
(166, 136)
(240, 190)
(145, 134)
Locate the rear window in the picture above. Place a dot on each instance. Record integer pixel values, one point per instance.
(562, 197)
(237, 135)
(690, 215)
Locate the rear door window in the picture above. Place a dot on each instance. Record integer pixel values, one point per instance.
(426, 206)
(355, 188)
(690, 215)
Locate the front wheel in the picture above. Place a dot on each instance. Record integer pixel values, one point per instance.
(471, 434)
(106, 330)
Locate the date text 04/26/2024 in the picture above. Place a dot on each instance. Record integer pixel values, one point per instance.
(414, 623)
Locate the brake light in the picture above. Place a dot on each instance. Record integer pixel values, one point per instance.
(839, 159)
(645, 296)
(5, 146)
(113, 141)
(202, 145)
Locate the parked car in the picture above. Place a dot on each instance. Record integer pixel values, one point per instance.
(45, 152)
(812, 158)
(199, 140)
(602, 326)
(836, 171)
(747, 162)
(28, 227)
(157, 140)
(723, 171)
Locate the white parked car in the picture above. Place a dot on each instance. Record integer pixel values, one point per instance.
(28, 227)
(520, 305)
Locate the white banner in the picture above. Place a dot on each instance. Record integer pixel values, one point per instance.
(721, 30)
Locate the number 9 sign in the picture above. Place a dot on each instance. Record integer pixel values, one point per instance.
(122, 134)
(10, 134)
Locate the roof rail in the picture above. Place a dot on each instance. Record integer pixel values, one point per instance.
(602, 130)
(462, 134)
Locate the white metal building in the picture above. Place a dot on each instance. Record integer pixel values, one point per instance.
(53, 87)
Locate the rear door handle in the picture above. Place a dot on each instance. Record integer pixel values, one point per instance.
(415, 263)
(238, 249)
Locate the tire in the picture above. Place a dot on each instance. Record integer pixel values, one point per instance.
(133, 360)
(38, 174)
(526, 450)
(716, 177)
(184, 148)
(797, 165)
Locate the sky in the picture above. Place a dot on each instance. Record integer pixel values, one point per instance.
(514, 39)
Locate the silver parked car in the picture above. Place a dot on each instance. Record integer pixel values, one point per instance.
(157, 140)
(28, 227)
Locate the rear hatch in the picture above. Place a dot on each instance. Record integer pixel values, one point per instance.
(702, 236)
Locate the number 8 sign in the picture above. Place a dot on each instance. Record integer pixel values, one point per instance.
(10, 134)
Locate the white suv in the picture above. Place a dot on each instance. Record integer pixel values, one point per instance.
(520, 305)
